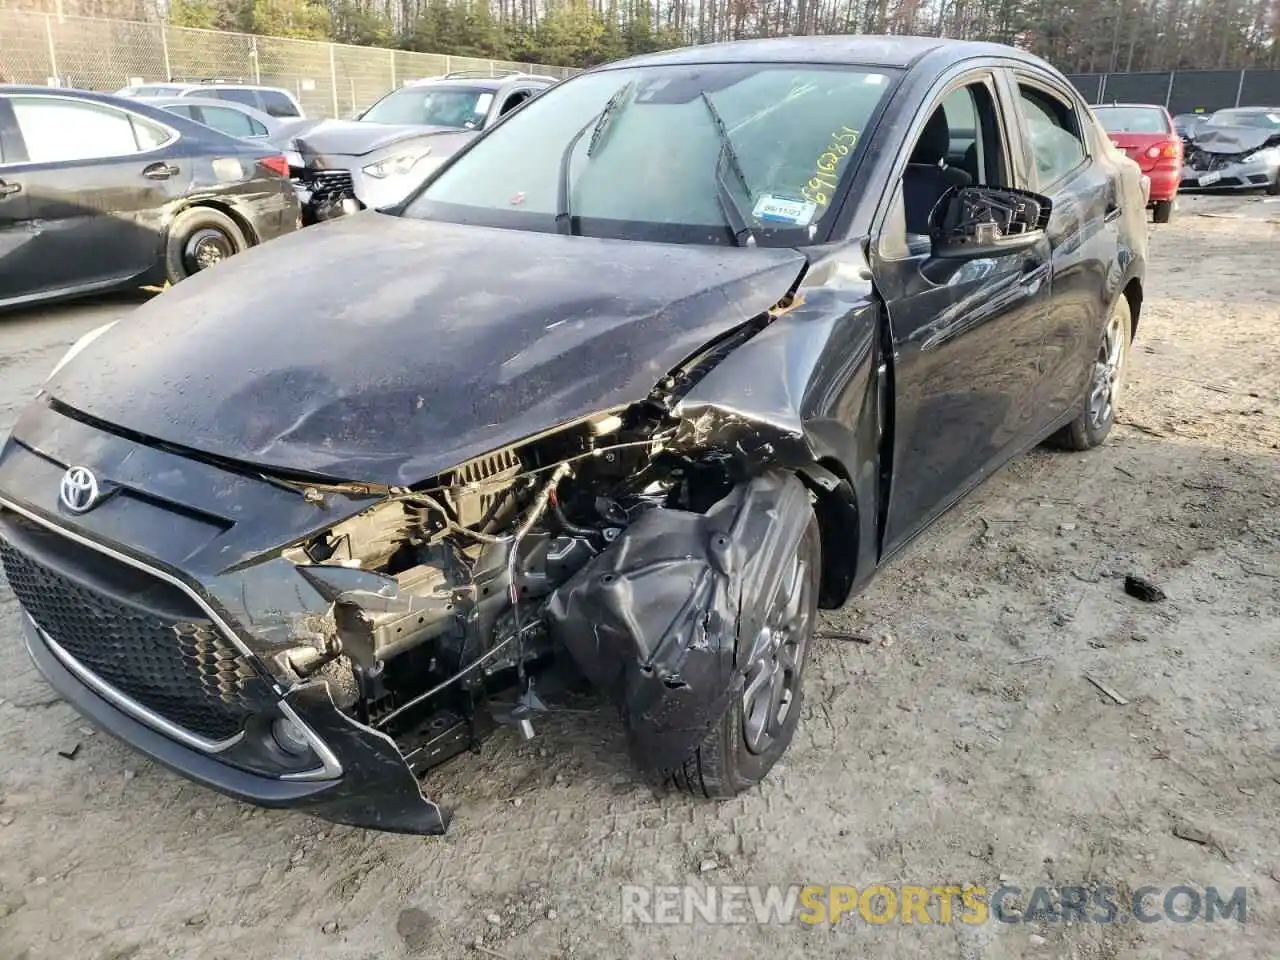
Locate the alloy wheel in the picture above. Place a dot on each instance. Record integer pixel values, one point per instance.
(777, 651)
(1108, 373)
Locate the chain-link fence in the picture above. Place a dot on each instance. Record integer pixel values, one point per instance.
(329, 79)
(1184, 91)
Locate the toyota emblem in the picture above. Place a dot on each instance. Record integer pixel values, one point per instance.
(79, 490)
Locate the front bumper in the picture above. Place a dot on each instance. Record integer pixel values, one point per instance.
(106, 606)
(1229, 175)
(333, 186)
(376, 790)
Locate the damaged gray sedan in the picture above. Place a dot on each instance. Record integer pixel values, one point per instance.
(672, 357)
(1236, 149)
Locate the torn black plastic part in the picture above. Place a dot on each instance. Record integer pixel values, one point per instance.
(660, 620)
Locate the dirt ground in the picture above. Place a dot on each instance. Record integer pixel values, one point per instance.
(963, 745)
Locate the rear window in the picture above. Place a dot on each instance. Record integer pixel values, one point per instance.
(235, 94)
(1132, 119)
(230, 121)
(276, 104)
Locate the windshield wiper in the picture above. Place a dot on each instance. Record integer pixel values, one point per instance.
(597, 124)
(743, 235)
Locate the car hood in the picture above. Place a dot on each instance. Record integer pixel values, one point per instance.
(355, 138)
(388, 350)
(1231, 140)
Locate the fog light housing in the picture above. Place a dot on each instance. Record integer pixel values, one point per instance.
(290, 737)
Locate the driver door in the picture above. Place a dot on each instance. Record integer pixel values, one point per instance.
(966, 336)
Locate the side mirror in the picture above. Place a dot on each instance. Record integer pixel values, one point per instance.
(973, 222)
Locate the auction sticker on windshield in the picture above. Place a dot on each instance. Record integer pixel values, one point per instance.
(796, 213)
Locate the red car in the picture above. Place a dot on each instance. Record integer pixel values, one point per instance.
(1145, 132)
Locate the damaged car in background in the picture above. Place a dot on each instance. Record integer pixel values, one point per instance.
(1237, 149)
(760, 314)
(377, 159)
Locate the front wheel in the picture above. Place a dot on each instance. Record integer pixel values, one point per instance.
(1098, 411)
(1163, 211)
(200, 238)
(757, 728)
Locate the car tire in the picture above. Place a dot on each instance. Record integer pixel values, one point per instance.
(741, 749)
(199, 238)
(1162, 212)
(1098, 409)
(1273, 188)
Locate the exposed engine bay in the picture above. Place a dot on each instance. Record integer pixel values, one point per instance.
(444, 596)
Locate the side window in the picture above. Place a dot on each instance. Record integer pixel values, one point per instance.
(63, 130)
(513, 101)
(960, 146)
(276, 104)
(1054, 133)
(229, 121)
(149, 135)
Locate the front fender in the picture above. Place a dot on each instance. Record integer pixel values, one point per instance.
(805, 392)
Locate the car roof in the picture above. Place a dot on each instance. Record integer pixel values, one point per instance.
(23, 89)
(209, 102)
(236, 83)
(862, 50)
(183, 86)
(482, 83)
(1140, 106)
(1248, 109)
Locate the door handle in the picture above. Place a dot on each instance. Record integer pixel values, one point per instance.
(9, 189)
(160, 171)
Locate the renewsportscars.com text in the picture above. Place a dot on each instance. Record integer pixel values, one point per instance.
(933, 904)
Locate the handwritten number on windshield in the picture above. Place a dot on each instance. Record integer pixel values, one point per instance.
(822, 184)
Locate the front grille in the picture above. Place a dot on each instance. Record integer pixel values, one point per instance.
(180, 667)
(1208, 162)
(329, 186)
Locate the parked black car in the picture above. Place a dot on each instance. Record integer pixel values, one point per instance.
(379, 158)
(100, 192)
(669, 359)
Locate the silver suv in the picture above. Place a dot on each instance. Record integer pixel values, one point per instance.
(463, 100)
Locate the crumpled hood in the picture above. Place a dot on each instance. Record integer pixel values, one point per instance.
(354, 138)
(1229, 140)
(388, 350)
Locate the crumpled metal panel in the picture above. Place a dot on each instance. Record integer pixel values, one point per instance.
(655, 621)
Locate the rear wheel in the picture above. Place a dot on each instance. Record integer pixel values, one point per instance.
(757, 728)
(200, 238)
(1098, 411)
(1163, 211)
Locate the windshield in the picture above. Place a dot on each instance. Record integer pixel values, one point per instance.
(695, 153)
(1262, 120)
(1132, 119)
(461, 107)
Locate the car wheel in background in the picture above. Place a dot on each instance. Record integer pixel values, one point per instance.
(1163, 211)
(757, 728)
(200, 238)
(1098, 411)
(1273, 189)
